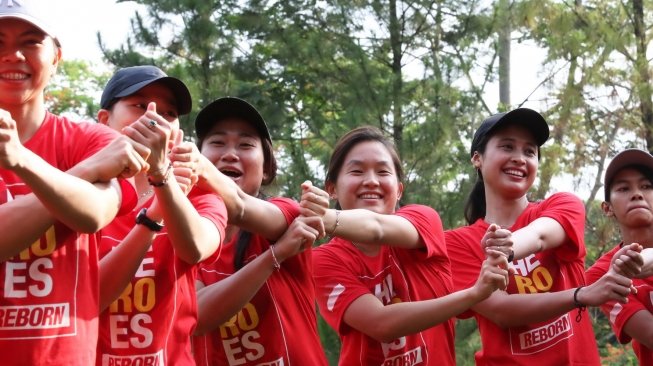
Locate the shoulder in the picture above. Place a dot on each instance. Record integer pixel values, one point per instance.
(417, 211)
(564, 199)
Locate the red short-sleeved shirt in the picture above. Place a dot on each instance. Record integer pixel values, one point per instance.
(49, 302)
(343, 273)
(279, 324)
(152, 320)
(558, 341)
(619, 314)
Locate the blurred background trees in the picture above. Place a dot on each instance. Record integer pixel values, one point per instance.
(425, 71)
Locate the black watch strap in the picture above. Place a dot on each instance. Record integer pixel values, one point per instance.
(142, 219)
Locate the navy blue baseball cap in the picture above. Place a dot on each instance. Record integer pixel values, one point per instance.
(229, 107)
(129, 80)
(527, 118)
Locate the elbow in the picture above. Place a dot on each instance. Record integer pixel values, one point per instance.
(192, 256)
(89, 225)
(384, 332)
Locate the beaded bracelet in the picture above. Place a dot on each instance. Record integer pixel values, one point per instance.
(275, 262)
(579, 305)
(166, 176)
(337, 223)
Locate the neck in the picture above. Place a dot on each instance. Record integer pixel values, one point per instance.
(639, 235)
(501, 211)
(28, 116)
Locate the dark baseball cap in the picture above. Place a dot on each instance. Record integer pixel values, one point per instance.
(626, 158)
(31, 11)
(129, 80)
(229, 107)
(524, 117)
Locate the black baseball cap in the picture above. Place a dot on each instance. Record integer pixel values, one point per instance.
(129, 80)
(229, 107)
(524, 117)
(626, 158)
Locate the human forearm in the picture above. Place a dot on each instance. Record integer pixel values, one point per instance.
(542, 234)
(365, 226)
(511, 310)
(119, 266)
(218, 302)
(219, 183)
(78, 204)
(193, 236)
(16, 235)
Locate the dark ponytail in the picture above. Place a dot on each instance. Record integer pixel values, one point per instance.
(475, 207)
(242, 244)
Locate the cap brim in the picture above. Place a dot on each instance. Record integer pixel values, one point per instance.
(628, 157)
(33, 21)
(529, 119)
(229, 107)
(178, 88)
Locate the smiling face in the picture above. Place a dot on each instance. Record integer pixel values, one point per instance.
(631, 199)
(235, 148)
(28, 58)
(509, 163)
(367, 179)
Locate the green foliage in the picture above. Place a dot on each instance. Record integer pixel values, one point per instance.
(74, 90)
(419, 70)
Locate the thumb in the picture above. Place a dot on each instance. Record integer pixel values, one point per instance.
(493, 228)
(307, 184)
(179, 138)
(151, 107)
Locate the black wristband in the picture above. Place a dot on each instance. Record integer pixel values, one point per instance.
(581, 307)
(511, 257)
(142, 219)
(577, 303)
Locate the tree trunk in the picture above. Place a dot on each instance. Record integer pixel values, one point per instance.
(397, 77)
(642, 68)
(505, 28)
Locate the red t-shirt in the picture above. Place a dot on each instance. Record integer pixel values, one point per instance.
(279, 324)
(343, 273)
(49, 303)
(152, 320)
(558, 341)
(619, 314)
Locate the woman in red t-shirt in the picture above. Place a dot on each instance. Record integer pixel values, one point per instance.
(147, 267)
(257, 300)
(384, 281)
(629, 200)
(538, 319)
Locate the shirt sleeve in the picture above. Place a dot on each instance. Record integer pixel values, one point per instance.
(569, 211)
(465, 254)
(427, 223)
(289, 207)
(210, 206)
(336, 286)
(600, 267)
(619, 314)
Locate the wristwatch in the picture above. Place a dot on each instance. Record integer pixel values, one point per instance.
(142, 219)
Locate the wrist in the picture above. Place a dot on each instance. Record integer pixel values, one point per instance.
(159, 177)
(143, 219)
(578, 302)
(336, 223)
